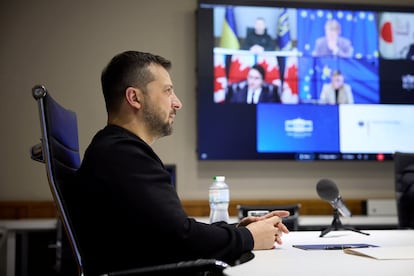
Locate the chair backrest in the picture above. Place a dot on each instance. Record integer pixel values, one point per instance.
(291, 222)
(404, 188)
(59, 150)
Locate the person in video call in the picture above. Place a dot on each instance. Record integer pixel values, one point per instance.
(410, 53)
(333, 44)
(254, 89)
(128, 213)
(257, 39)
(336, 92)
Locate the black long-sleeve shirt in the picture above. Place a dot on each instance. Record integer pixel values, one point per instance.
(264, 40)
(128, 213)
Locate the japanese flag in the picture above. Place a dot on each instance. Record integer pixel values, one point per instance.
(386, 41)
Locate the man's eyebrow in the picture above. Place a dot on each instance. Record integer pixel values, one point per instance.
(168, 87)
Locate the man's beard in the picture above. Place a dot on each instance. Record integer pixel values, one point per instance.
(155, 123)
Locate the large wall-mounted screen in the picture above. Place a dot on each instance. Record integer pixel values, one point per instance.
(304, 81)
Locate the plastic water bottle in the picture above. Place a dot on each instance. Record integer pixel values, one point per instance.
(219, 197)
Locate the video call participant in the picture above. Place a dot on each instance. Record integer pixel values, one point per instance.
(254, 89)
(127, 212)
(410, 53)
(257, 39)
(336, 92)
(333, 44)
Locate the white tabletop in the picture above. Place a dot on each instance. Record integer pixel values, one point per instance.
(8, 230)
(287, 260)
(354, 220)
(28, 224)
(307, 221)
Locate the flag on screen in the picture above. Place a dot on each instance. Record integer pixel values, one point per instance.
(271, 67)
(386, 43)
(361, 74)
(229, 36)
(283, 31)
(289, 94)
(239, 67)
(307, 82)
(291, 74)
(363, 34)
(220, 79)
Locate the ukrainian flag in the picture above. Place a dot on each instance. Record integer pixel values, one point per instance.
(229, 38)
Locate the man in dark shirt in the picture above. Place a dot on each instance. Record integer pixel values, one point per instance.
(254, 89)
(257, 39)
(127, 213)
(410, 53)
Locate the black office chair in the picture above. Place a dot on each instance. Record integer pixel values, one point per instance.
(404, 188)
(291, 222)
(3, 234)
(59, 150)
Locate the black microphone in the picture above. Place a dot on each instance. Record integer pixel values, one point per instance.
(327, 190)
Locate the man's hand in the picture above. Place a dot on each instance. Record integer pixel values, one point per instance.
(267, 229)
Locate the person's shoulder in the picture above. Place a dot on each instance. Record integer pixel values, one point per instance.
(269, 86)
(115, 139)
(115, 144)
(326, 86)
(266, 33)
(250, 31)
(320, 40)
(347, 86)
(236, 86)
(344, 40)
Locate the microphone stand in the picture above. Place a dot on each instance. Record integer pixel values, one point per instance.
(337, 225)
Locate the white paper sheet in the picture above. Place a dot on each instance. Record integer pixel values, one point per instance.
(384, 253)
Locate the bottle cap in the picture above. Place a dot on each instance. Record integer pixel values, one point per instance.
(219, 178)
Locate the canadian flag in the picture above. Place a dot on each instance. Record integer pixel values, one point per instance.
(220, 79)
(386, 42)
(291, 73)
(271, 67)
(290, 83)
(239, 67)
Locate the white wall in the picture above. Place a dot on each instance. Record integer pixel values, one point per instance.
(65, 44)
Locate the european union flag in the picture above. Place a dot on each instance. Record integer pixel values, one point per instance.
(360, 70)
(360, 74)
(364, 35)
(359, 27)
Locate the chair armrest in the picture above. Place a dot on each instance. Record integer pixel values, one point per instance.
(215, 267)
(36, 153)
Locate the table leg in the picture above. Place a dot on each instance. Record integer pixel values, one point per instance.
(11, 253)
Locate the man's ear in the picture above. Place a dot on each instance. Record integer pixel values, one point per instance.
(133, 96)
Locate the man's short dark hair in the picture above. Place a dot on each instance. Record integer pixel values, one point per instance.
(127, 69)
(260, 69)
